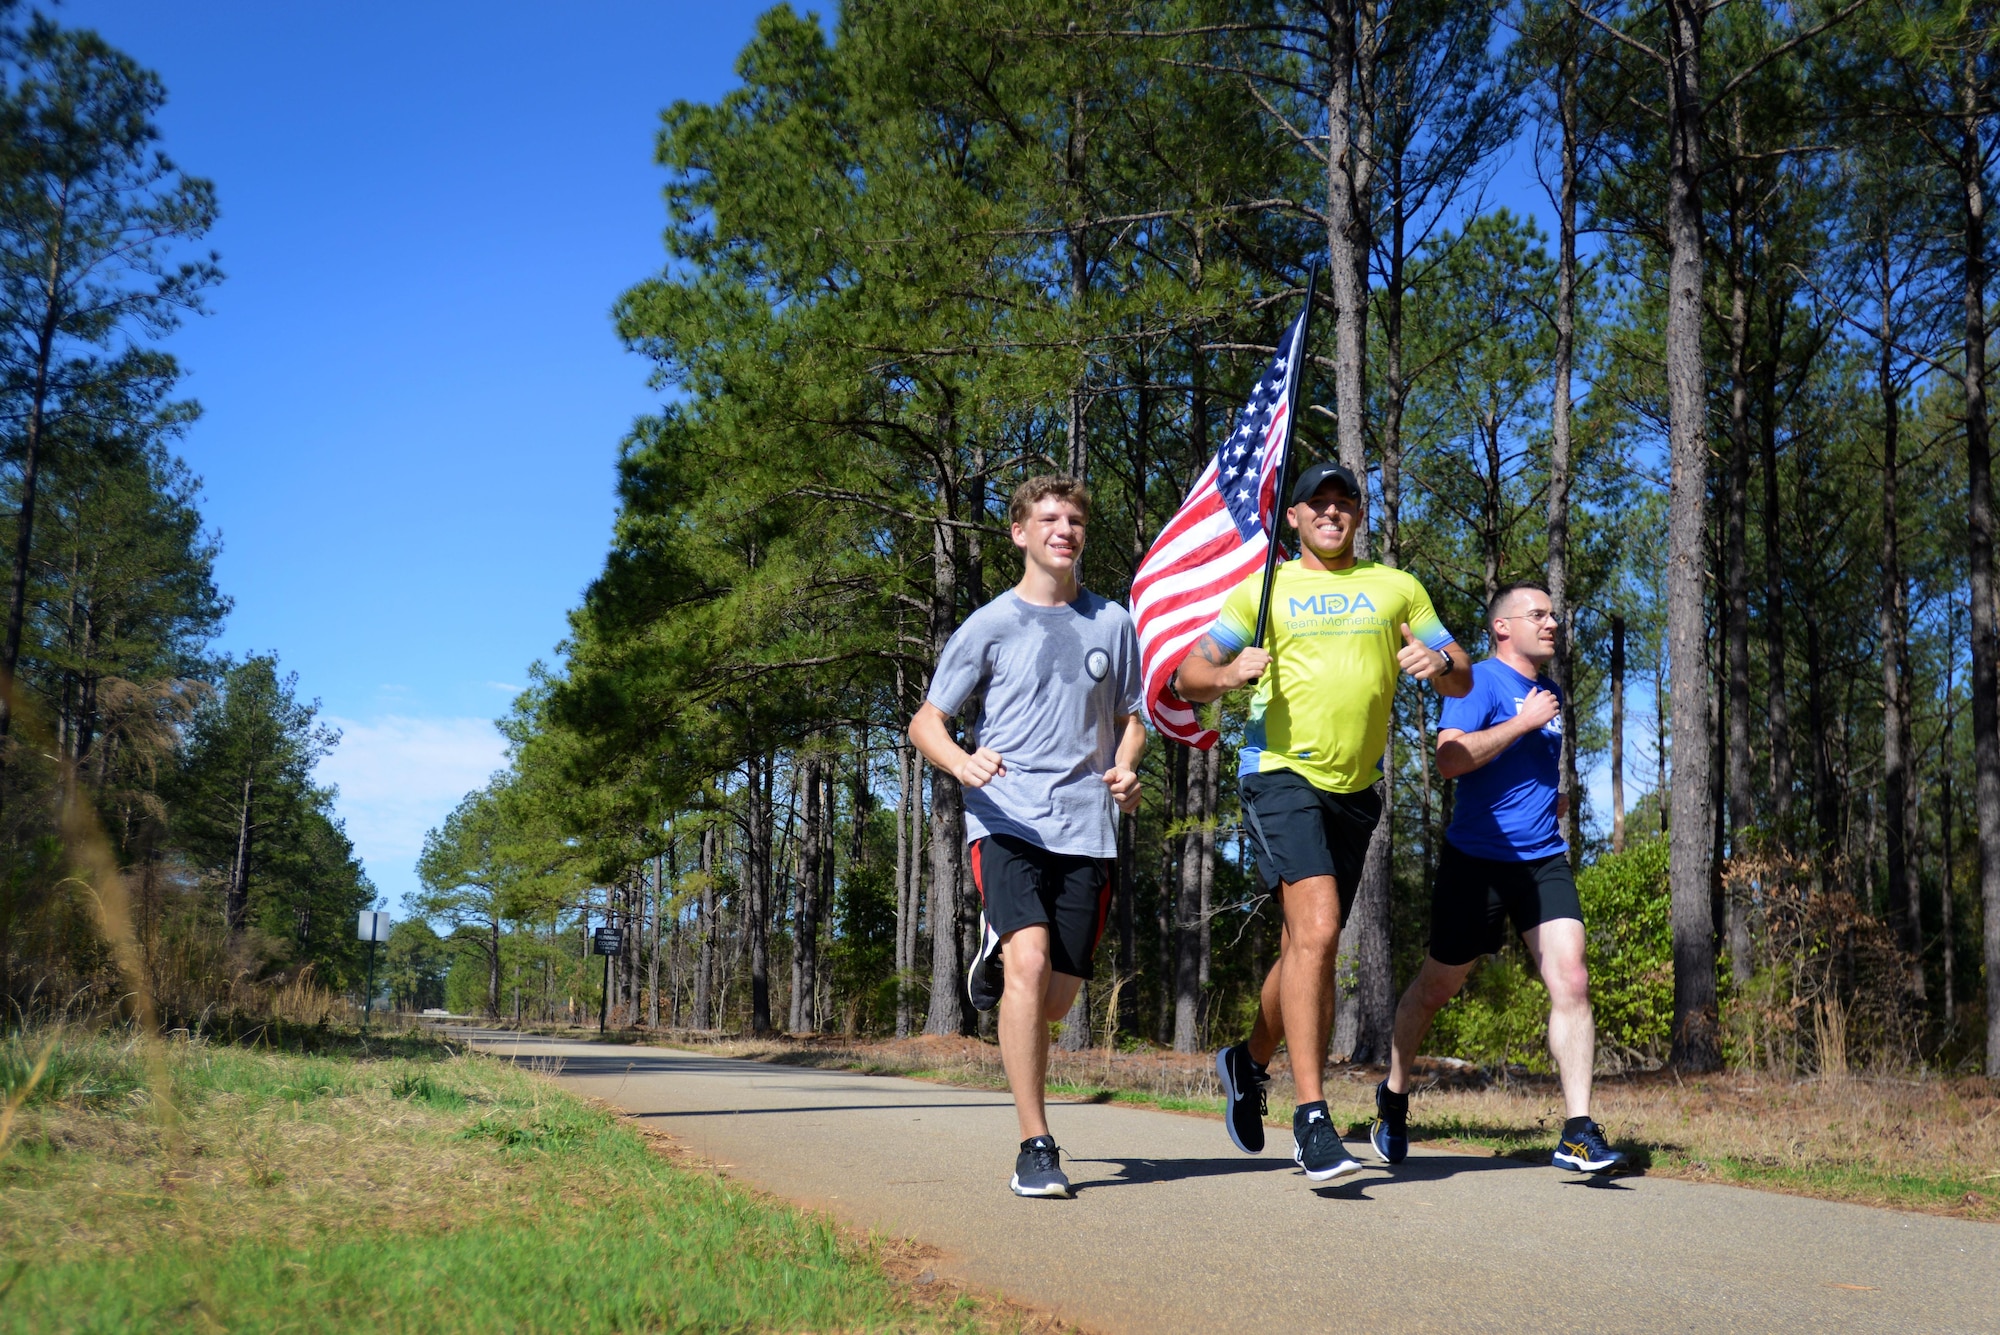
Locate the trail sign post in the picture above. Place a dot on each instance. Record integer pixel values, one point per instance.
(606, 941)
(372, 928)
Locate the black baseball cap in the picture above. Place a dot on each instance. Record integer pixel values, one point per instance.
(1311, 480)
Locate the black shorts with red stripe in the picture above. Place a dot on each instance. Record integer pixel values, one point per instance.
(1023, 884)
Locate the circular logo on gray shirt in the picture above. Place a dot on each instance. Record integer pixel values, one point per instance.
(1097, 663)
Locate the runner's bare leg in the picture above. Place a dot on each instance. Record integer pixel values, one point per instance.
(1035, 998)
(1556, 947)
(1268, 1031)
(1296, 1004)
(1434, 985)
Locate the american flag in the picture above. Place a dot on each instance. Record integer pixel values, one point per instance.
(1217, 539)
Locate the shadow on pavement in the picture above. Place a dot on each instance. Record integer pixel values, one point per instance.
(1603, 1181)
(959, 1106)
(1414, 1171)
(627, 1061)
(1137, 1172)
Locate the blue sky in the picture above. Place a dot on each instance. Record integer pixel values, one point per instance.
(413, 396)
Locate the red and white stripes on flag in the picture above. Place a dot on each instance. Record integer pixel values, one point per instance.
(1217, 539)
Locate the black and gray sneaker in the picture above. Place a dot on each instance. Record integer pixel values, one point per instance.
(1244, 1104)
(983, 981)
(1391, 1133)
(1317, 1147)
(1038, 1171)
(1584, 1150)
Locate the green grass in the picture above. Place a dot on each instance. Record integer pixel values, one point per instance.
(1833, 1181)
(412, 1193)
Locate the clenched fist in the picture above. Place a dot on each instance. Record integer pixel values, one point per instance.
(1538, 709)
(1124, 786)
(980, 768)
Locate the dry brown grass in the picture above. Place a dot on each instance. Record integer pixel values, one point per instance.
(1922, 1144)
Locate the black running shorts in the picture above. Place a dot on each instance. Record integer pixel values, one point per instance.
(1302, 831)
(1474, 898)
(1023, 884)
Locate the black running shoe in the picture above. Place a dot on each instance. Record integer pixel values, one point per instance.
(983, 981)
(1317, 1147)
(1243, 1095)
(1584, 1149)
(1038, 1171)
(1391, 1133)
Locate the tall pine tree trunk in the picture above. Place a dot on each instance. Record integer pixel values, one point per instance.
(1777, 705)
(1368, 1009)
(24, 525)
(1979, 542)
(653, 948)
(757, 918)
(1169, 881)
(1905, 910)
(1559, 434)
(236, 907)
(1696, 1031)
(1128, 927)
(493, 967)
(1188, 933)
(905, 908)
(704, 969)
(949, 1008)
(1617, 734)
(805, 919)
(1742, 797)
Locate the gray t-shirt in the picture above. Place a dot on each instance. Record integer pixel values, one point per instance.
(1057, 680)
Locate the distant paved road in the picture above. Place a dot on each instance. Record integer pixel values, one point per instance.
(1173, 1230)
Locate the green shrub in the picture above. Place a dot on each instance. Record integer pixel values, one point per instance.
(1631, 952)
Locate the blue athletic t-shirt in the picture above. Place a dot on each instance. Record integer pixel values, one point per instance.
(1506, 809)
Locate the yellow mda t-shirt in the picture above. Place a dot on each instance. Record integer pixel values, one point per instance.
(1322, 708)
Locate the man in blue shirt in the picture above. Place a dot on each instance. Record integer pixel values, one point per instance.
(1505, 858)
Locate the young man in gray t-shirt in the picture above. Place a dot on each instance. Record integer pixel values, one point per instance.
(1059, 739)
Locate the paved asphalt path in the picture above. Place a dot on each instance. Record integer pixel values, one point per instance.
(1172, 1229)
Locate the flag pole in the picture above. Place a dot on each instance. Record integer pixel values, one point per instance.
(1285, 454)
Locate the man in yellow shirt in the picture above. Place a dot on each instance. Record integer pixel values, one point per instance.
(1339, 632)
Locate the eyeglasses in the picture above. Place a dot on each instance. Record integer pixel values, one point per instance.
(1540, 616)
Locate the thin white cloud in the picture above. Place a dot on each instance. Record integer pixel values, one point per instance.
(398, 777)
(506, 686)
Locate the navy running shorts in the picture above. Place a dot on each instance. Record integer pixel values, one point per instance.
(1473, 899)
(1022, 884)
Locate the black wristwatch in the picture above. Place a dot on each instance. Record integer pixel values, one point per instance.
(1450, 666)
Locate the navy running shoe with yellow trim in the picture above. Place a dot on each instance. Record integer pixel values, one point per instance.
(1244, 1104)
(1038, 1169)
(1584, 1150)
(984, 981)
(1317, 1146)
(1391, 1133)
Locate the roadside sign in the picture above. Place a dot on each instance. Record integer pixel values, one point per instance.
(373, 927)
(607, 941)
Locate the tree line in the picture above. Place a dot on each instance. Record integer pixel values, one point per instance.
(1731, 407)
(916, 256)
(139, 769)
